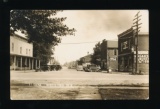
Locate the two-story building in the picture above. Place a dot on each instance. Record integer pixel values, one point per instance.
(109, 54)
(21, 54)
(127, 51)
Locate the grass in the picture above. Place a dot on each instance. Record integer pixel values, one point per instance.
(124, 94)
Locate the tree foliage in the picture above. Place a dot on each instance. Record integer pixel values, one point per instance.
(98, 54)
(96, 57)
(42, 28)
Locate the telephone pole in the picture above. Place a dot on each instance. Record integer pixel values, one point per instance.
(136, 24)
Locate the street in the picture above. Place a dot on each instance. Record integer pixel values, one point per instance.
(69, 84)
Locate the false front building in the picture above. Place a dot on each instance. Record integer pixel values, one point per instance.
(21, 54)
(127, 51)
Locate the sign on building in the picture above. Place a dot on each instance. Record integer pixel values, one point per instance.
(142, 58)
(113, 58)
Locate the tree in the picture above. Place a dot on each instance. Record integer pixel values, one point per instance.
(42, 28)
(96, 57)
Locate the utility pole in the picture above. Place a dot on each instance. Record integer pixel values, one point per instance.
(136, 24)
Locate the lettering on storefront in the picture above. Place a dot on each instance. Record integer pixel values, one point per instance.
(113, 59)
(143, 59)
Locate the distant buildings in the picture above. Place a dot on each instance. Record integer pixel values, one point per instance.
(127, 53)
(71, 65)
(53, 61)
(107, 57)
(21, 54)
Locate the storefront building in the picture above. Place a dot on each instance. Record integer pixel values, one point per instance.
(127, 51)
(21, 54)
(109, 54)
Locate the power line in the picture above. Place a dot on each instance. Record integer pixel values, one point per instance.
(88, 42)
(79, 42)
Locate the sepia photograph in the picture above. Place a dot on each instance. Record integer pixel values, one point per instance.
(79, 54)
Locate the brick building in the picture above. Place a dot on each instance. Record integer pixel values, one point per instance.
(127, 53)
(109, 53)
(21, 54)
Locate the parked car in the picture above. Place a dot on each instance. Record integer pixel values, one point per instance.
(38, 69)
(58, 67)
(79, 68)
(45, 67)
(55, 67)
(92, 68)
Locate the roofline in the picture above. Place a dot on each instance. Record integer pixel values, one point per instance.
(12, 54)
(125, 32)
(86, 55)
(20, 36)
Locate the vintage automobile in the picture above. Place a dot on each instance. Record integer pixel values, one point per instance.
(45, 68)
(55, 67)
(92, 68)
(49, 68)
(79, 68)
(38, 69)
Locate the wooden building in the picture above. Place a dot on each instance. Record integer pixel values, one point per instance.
(21, 54)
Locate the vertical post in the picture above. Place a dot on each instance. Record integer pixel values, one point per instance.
(137, 45)
(32, 63)
(21, 63)
(133, 62)
(39, 63)
(25, 63)
(108, 60)
(36, 64)
(14, 62)
(29, 64)
(137, 27)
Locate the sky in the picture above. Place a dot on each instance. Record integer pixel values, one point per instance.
(93, 26)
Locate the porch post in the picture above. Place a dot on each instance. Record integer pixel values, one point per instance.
(29, 64)
(39, 63)
(21, 63)
(36, 64)
(32, 63)
(25, 62)
(14, 63)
